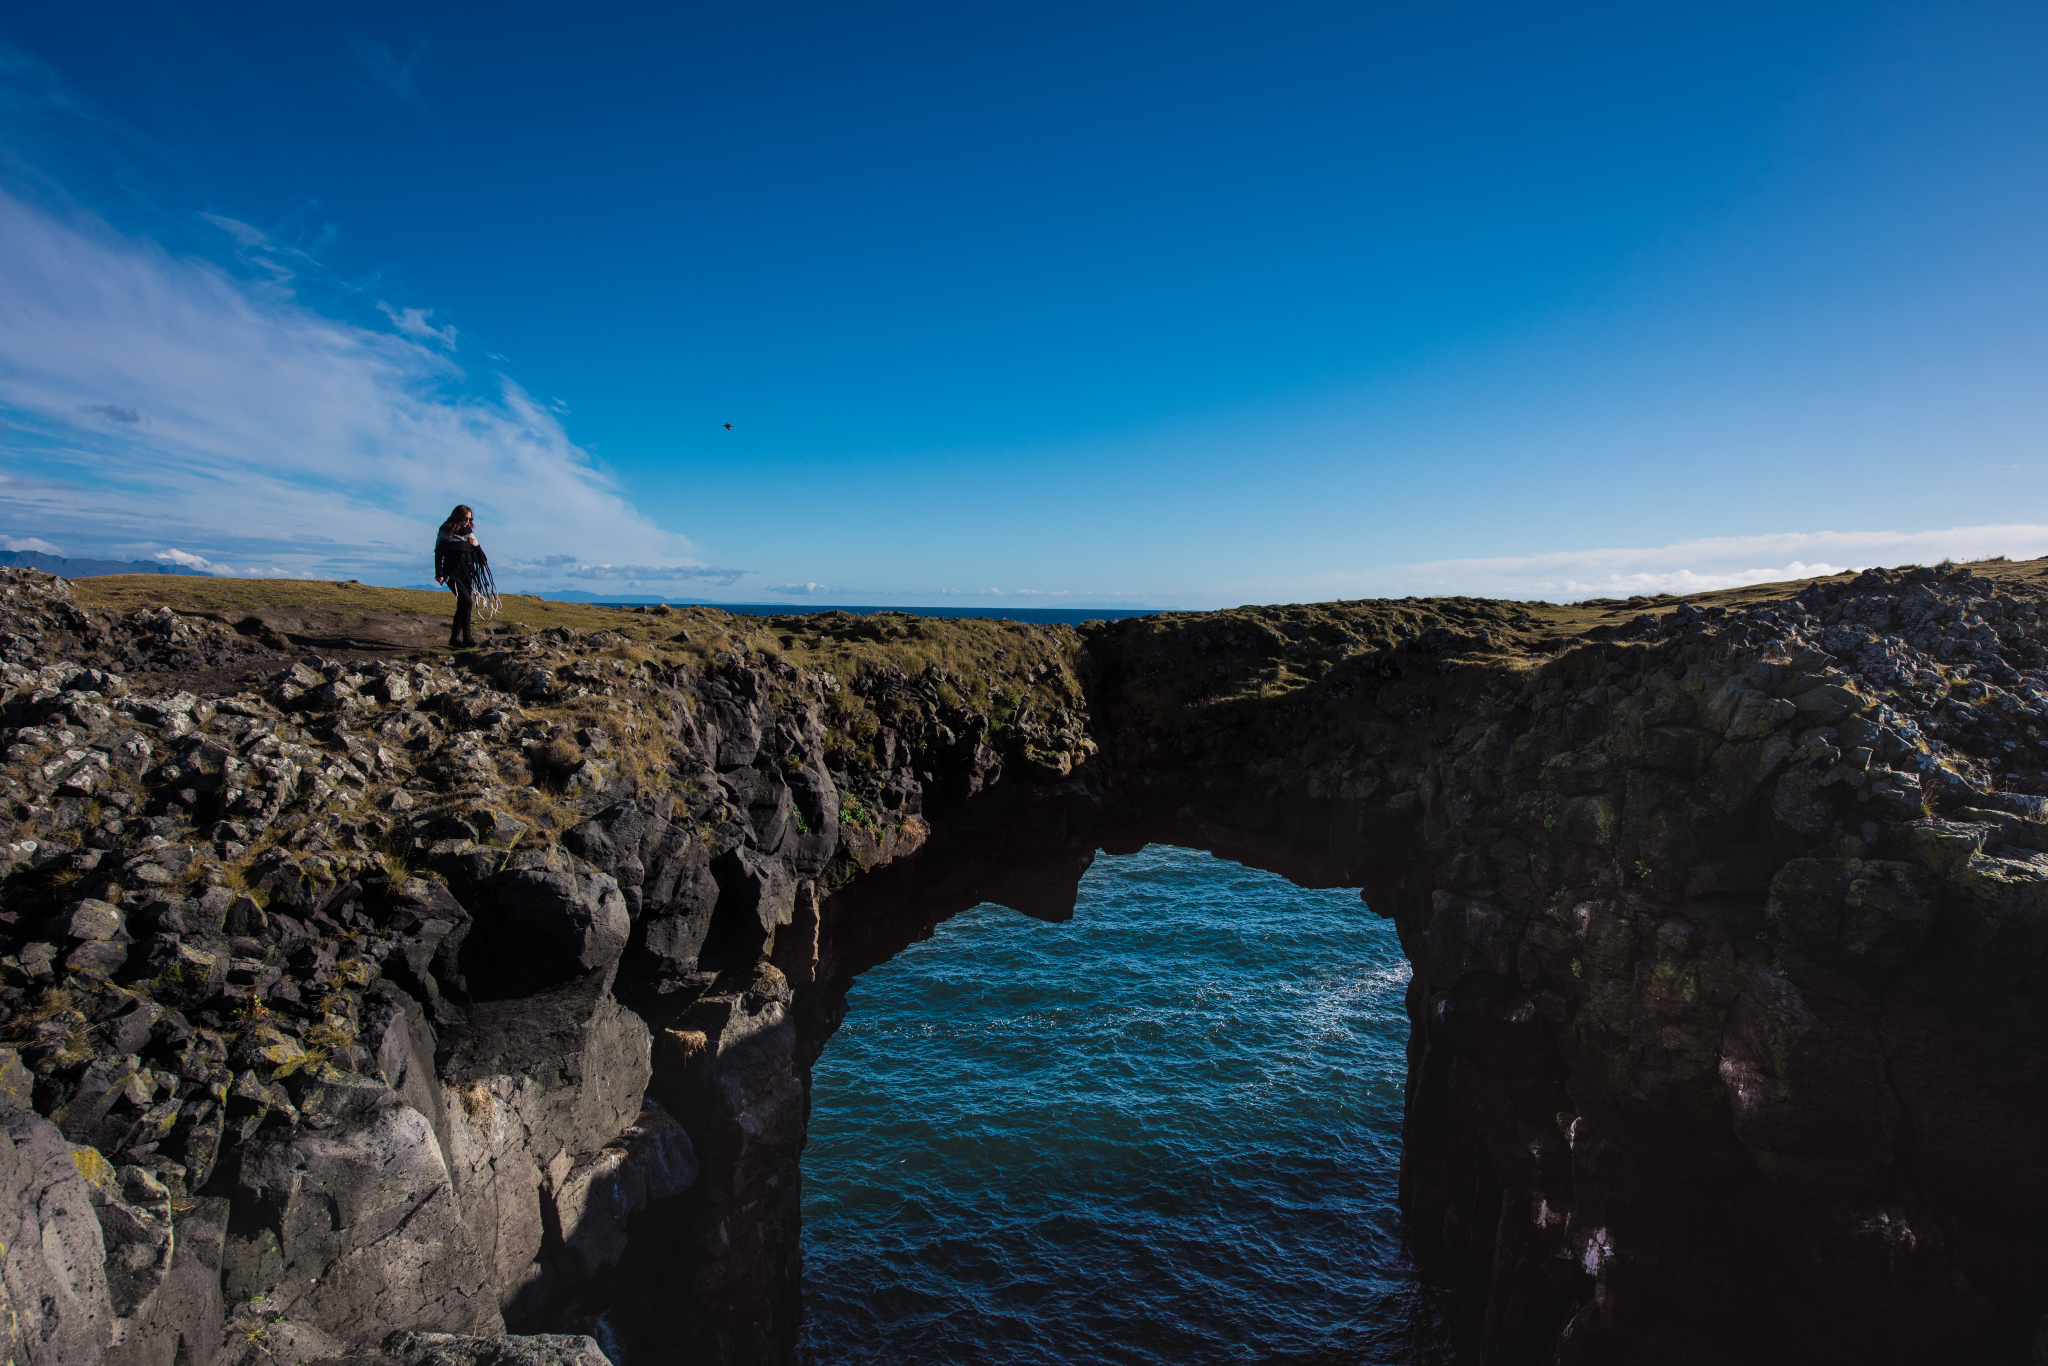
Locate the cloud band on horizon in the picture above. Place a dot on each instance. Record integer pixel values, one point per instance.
(1704, 565)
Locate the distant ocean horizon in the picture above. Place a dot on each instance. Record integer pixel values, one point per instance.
(1071, 615)
(1049, 616)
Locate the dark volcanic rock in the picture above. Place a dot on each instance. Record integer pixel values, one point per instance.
(57, 1300)
(362, 1017)
(536, 917)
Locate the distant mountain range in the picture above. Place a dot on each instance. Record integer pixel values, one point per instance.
(91, 569)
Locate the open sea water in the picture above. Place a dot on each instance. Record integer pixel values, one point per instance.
(1167, 1131)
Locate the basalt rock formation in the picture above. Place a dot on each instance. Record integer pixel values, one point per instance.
(407, 1009)
(1728, 933)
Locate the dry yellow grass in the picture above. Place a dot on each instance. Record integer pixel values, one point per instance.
(1001, 666)
(979, 654)
(126, 592)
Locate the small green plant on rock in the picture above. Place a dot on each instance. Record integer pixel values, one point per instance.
(853, 811)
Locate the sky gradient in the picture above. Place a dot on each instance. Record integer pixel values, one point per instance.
(1180, 306)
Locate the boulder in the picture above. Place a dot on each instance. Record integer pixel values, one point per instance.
(93, 920)
(53, 1264)
(651, 859)
(763, 796)
(754, 889)
(538, 918)
(183, 1325)
(354, 1230)
(652, 1160)
(532, 1086)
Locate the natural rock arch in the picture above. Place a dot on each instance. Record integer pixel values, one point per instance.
(1727, 933)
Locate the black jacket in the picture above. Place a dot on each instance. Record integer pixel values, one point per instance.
(457, 561)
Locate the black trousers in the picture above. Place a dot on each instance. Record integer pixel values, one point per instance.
(458, 631)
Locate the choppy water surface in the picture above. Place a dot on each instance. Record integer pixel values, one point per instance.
(1165, 1132)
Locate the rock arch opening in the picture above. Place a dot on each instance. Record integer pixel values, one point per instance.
(1166, 1129)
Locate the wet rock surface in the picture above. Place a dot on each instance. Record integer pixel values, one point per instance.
(368, 1008)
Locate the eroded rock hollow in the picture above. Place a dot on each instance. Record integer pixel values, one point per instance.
(425, 1009)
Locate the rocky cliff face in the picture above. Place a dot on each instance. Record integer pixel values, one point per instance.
(383, 1007)
(388, 998)
(1728, 936)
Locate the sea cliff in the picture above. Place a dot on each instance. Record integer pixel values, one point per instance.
(366, 1001)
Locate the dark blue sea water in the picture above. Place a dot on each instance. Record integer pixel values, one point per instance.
(1164, 1132)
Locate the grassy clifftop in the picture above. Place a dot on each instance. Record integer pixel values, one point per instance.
(1294, 667)
(992, 664)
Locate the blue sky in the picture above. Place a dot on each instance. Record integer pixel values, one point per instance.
(1177, 305)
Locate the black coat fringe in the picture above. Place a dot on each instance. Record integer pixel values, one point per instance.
(466, 569)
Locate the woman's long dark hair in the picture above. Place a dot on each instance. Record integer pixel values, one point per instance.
(470, 570)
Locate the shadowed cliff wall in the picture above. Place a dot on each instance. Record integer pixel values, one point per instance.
(1727, 1042)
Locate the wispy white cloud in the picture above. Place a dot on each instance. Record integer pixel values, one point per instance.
(257, 248)
(571, 567)
(802, 590)
(28, 543)
(1699, 566)
(156, 399)
(191, 561)
(244, 234)
(385, 75)
(413, 323)
(1016, 593)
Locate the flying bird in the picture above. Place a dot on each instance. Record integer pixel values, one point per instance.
(728, 426)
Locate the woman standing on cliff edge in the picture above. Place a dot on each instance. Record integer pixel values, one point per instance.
(460, 563)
